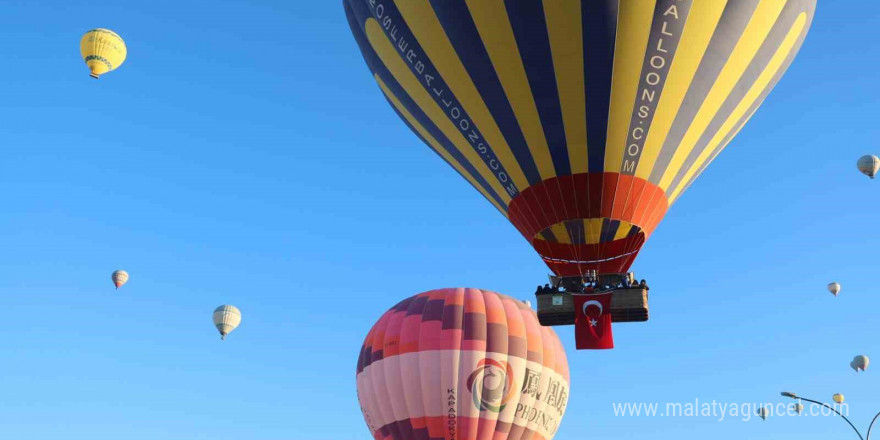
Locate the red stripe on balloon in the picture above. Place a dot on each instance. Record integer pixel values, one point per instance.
(584, 196)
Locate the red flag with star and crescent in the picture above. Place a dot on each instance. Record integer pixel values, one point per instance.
(592, 321)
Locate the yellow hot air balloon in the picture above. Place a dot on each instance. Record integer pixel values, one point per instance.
(103, 50)
(838, 398)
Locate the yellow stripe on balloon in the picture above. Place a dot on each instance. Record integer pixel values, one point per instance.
(751, 96)
(565, 31)
(493, 25)
(698, 30)
(432, 142)
(561, 233)
(593, 228)
(592, 231)
(398, 68)
(426, 27)
(622, 230)
(756, 31)
(633, 29)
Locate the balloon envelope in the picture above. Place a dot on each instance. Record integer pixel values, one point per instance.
(119, 278)
(462, 364)
(580, 121)
(838, 398)
(834, 288)
(226, 319)
(860, 363)
(869, 165)
(102, 50)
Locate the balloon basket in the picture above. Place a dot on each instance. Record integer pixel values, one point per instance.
(627, 305)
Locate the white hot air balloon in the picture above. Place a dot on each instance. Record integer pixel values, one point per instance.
(834, 288)
(527, 303)
(226, 319)
(762, 413)
(119, 278)
(860, 362)
(797, 407)
(869, 165)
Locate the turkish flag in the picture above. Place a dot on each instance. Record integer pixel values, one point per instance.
(592, 321)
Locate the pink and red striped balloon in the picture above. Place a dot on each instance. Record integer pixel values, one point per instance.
(464, 364)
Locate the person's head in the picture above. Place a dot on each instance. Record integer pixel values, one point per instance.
(642, 282)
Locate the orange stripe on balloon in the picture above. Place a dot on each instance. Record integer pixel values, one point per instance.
(635, 196)
(473, 302)
(495, 313)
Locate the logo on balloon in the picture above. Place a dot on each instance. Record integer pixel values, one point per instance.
(492, 385)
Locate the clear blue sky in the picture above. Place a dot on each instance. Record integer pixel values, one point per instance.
(244, 155)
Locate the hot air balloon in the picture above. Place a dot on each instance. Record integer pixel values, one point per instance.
(580, 121)
(869, 165)
(860, 362)
(762, 413)
(797, 407)
(462, 364)
(226, 319)
(838, 398)
(119, 278)
(102, 50)
(834, 288)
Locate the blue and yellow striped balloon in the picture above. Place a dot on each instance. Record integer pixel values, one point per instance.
(580, 121)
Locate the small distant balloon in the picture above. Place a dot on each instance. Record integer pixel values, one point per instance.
(797, 407)
(119, 278)
(102, 50)
(226, 319)
(860, 362)
(838, 398)
(528, 303)
(762, 413)
(869, 165)
(834, 288)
